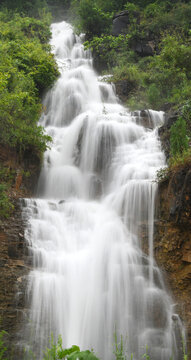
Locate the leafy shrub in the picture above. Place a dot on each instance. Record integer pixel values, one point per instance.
(178, 137)
(6, 179)
(5, 207)
(93, 20)
(27, 68)
(153, 94)
(131, 7)
(31, 8)
(2, 346)
(56, 352)
(108, 47)
(130, 74)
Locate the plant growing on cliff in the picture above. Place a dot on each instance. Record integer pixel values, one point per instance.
(179, 141)
(5, 203)
(108, 47)
(3, 348)
(27, 68)
(92, 19)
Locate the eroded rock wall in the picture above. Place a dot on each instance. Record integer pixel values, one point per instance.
(14, 257)
(172, 242)
(14, 268)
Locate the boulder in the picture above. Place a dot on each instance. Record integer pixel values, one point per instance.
(144, 47)
(120, 23)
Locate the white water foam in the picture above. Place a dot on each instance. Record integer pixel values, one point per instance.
(96, 191)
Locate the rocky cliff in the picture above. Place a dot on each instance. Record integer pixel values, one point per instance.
(172, 242)
(14, 259)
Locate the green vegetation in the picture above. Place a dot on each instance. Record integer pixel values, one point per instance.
(178, 137)
(156, 80)
(6, 178)
(27, 68)
(56, 352)
(119, 350)
(3, 348)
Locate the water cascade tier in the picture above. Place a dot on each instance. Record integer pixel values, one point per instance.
(96, 191)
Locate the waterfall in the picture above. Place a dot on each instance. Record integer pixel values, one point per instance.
(96, 195)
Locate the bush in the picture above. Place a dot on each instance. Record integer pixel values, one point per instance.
(178, 137)
(5, 206)
(154, 96)
(56, 352)
(108, 47)
(2, 346)
(31, 8)
(27, 68)
(90, 18)
(93, 21)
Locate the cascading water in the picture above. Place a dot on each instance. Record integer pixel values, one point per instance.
(90, 277)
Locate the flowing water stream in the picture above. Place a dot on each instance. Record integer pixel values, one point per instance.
(95, 194)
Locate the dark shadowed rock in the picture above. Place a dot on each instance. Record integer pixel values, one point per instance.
(14, 268)
(164, 132)
(124, 88)
(143, 47)
(15, 258)
(120, 23)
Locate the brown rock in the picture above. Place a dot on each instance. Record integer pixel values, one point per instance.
(172, 243)
(187, 257)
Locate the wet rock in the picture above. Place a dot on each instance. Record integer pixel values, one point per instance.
(96, 187)
(62, 201)
(143, 118)
(78, 147)
(156, 313)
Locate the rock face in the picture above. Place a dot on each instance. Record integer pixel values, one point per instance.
(144, 118)
(13, 264)
(123, 89)
(120, 23)
(172, 245)
(143, 47)
(164, 132)
(14, 258)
